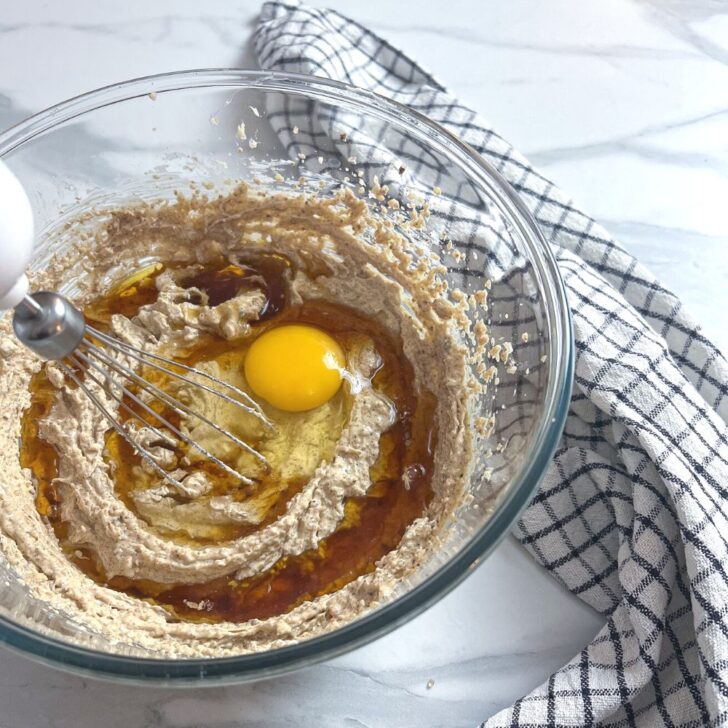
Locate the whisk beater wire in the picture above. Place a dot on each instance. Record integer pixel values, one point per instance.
(141, 451)
(165, 397)
(54, 329)
(162, 420)
(144, 357)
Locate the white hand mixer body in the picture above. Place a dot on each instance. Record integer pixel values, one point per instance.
(16, 239)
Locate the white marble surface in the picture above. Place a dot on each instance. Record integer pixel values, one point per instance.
(625, 104)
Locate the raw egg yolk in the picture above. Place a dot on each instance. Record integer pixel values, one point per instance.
(295, 367)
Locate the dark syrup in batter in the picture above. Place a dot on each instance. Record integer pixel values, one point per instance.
(373, 524)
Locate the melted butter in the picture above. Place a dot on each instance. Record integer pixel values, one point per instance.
(373, 525)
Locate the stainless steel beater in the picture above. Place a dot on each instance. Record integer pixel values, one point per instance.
(54, 329)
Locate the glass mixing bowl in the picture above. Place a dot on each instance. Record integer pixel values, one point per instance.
(143, 138)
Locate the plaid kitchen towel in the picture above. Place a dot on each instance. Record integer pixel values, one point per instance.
(632, 515)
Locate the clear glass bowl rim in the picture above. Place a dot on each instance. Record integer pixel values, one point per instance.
(560, 360)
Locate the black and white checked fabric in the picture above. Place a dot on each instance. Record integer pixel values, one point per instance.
(633, 513)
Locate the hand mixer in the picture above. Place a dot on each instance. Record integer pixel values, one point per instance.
(54, 329)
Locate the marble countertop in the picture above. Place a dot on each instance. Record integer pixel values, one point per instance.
(624, 104)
